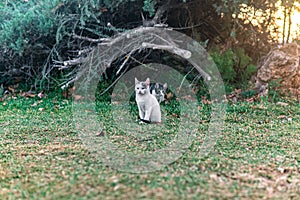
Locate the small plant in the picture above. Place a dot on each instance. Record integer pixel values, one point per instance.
(235, 66)
(149, 7)
(273, 93)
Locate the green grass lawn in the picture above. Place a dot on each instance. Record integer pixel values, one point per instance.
(42, 157)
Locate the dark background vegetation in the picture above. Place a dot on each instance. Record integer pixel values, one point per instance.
(39, 36)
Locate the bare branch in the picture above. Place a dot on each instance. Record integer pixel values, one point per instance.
(125, 61)
(181, 52)
(75, 61)
(157, 17)
(69, 83)
(91, 39)
(114, 29)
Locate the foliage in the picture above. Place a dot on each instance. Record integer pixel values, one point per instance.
(149, 6)
(251, 24)
(23, 23)
(39, 36)
(235, 66)
(30, 31)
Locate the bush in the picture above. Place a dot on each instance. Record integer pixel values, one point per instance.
(36, 34)
(26, 25)
(234, 66)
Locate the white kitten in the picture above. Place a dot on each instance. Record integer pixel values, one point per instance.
(149, 109)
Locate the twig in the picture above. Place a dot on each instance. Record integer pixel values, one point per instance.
(206, 75)
(67, 63)
(69, 82)
(91, 39)
(85, 51)
(125, 61)
(189, 27)
(114, 82)
(184, 78)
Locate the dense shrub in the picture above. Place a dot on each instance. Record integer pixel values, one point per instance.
(26, 25)
(235, 66)
(36, 34)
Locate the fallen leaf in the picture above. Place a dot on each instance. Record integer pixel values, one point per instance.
(40, 95)
(282, 104)
(101, 134)
(205, 101)
(282, 117)
(213, 176)
(77, 97)
(34, 104)
(5, 124)
(28, 94)
(168, 95)
(11, 89)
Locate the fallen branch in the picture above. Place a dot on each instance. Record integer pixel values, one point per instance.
(181, 52)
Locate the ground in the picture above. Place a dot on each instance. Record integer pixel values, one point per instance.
(256, 156)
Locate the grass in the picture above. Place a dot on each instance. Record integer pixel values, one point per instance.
(257, 156)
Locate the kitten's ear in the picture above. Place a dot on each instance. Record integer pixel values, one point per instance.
(165, 86)
(136, 81)
(147, 81)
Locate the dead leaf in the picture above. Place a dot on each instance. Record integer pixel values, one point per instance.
(40, 95)
(36, 103)
(168, 95)
(250, 100)
(27, 94)
(68, 92)
(282, 117)
(56, 107)
(5, 124)
(189, 97)
(11, 89)
(282, 104)
(205, 101)
(77, 97)
(213, 176)
(101, 134)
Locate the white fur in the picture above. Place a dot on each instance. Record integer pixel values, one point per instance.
(148, 105)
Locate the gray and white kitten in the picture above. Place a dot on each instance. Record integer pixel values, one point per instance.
(159, 91)
(149, 109)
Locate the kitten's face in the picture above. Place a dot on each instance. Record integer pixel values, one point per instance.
(142, 88)
(159, 91)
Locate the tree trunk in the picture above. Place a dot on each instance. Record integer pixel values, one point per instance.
(290, 10)
(284, 22)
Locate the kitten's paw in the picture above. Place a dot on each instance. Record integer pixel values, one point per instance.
(142, 121)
